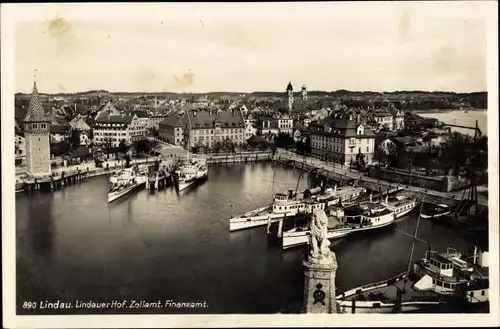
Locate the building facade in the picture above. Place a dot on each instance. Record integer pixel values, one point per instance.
(20, 149)
(384, 119)
(342, 140)
(399, 120)
(154, 121)
(285, 125)
(115, 128)
(171, 130)
(205, 128)
(250, 127)
(37, 138)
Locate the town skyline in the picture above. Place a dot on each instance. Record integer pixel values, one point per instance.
(402, 50)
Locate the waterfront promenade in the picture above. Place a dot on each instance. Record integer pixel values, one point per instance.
(311, 162)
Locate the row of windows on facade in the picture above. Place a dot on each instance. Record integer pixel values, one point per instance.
(211, 131)
(35, 126)
(217, 125)
(336, 148)
(382, 119)
(351, 142)
(121, 128)
(116, 139)
(202, 138)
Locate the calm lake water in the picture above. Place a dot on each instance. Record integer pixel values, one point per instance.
(72, 246)
(463, 119)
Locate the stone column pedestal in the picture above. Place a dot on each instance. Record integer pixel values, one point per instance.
(319, 285)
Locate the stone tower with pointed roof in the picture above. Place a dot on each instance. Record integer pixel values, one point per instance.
(37, 136)
(289, 92)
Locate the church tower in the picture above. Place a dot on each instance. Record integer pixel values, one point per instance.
(289, 92)
(303, 92)
(37, 136)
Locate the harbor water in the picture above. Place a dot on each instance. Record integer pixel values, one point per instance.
(177, 246)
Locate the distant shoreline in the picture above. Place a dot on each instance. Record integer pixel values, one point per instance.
(448, 110)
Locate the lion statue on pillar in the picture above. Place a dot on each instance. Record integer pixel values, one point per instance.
(318, 241)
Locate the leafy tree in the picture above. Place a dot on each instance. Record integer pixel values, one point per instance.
(123, 147)
(217, 146)
(74, 139)
(284, 140)
(108, 145)
(142, 146)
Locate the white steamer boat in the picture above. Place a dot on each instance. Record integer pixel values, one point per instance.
(125, 182)
(362, 217)
(445, 280)
(288, 204)
(191, 171)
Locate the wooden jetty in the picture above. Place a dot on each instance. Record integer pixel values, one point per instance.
(56, 181)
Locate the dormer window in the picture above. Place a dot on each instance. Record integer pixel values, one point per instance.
(361, 130)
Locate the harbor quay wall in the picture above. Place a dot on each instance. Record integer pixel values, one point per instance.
(239, 157)
(432, 183)
(75, 173)
(443, 184)
(372, 183)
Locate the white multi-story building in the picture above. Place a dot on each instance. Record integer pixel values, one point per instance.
(342, 140)
(115, 128)
(208, 127)
(384, 119)
(250, 127)
(285, 125)
(275, 126)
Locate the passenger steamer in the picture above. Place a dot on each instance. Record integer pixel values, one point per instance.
(445, 280)
(191, 171)
(125, 182)
(290, 204)
(365, 216)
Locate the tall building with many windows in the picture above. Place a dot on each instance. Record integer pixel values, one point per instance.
(342, 140)
(112, 129)
(208, 127)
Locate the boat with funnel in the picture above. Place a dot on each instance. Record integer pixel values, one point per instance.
(445, 281)
(290, 204)
(439, 282)
(125, 182)
(344, 221)
(190, 171)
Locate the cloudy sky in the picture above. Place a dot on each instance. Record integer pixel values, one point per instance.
(325, 46)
